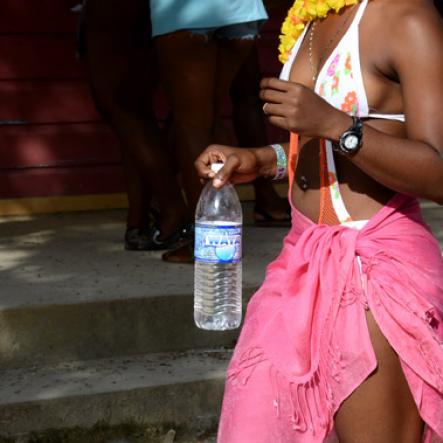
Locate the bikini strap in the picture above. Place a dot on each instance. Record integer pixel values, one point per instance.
(292, 158)
(360, 12)
(395, 117)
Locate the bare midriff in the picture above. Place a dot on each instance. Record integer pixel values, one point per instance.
(362, 195)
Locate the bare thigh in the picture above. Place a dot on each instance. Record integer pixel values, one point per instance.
(380, 410)
(188, 63)
(120, 58)
(196, 70)
(122, 72)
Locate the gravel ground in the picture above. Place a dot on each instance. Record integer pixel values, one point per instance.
(124, 433)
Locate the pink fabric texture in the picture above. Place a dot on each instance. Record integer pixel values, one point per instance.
(305, 346)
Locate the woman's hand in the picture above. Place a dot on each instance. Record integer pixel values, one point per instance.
(298, 109)
(241, 165)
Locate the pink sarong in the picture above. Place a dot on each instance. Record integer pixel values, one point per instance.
(305, 345)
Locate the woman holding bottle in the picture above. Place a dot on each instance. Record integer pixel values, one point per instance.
(344, 338)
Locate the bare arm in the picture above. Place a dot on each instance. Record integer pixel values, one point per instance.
(413, 165)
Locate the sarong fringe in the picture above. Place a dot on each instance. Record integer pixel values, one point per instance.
(308, 406)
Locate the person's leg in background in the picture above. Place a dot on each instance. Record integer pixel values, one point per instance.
(139, 197)
(122, 73)
(190, 69)
(250, 130)
(188, 66)
(233, 39)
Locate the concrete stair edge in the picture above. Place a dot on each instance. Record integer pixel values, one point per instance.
(32, 336)
(178, 388)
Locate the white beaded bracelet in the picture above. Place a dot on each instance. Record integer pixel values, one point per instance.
(282, 161)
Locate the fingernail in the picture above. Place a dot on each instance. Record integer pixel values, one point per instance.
(217, 182)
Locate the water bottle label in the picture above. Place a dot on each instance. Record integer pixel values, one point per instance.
(218, 244)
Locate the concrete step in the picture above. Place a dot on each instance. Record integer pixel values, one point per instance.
(60, 333)
(433, 214)
(70, 292)
(173, 389)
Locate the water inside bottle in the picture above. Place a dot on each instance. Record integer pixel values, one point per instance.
(218, 286)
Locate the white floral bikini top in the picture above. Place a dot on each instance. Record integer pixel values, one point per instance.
(340, 83)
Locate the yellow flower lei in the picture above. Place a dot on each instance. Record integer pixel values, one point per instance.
(302, 12)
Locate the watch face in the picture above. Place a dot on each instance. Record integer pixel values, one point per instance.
(351, 142)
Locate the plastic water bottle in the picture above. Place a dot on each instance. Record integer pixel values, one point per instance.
(218, 254)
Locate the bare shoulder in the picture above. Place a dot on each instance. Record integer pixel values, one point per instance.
(400, 28)
(403, 42)
(394, 17)
(402, 8)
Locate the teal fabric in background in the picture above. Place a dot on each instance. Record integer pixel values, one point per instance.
(172, 15)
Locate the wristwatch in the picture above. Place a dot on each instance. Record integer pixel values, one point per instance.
(350, 141)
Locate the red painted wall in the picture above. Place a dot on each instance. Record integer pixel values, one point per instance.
(52, 141)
